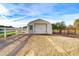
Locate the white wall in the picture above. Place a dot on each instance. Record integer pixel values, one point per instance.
(49, 27)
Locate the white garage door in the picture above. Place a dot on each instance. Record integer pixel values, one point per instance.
(40, 28)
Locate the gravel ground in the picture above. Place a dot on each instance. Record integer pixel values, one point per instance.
(41, 45)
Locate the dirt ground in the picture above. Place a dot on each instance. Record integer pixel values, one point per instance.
(40, 45)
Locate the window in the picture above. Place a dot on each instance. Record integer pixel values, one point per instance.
(31, 27)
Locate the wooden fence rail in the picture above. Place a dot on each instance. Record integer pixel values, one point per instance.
(5, 30)
(17, 31)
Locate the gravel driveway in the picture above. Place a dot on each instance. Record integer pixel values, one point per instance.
(39, 45)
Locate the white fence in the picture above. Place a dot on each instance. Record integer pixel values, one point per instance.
(4, 31)
(17, 31)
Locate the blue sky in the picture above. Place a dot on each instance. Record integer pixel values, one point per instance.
(19, 14)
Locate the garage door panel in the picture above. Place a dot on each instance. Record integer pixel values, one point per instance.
(40, 28)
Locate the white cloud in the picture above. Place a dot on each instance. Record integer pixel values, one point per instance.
(69, 18)
(7, 22)
(3, 10)
(36, 10)
(4, 21)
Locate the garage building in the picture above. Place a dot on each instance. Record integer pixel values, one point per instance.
(39, 26)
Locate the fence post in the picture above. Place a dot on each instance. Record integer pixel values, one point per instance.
(5, 33)
(16, 31)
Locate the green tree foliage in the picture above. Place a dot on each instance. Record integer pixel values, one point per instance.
(54, 26)
(59, 26)
(2, 26)
(76, 23)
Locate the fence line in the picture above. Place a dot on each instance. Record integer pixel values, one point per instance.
(5, 30)
(16, 30)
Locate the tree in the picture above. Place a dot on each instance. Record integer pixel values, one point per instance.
(25, 27)
(76, 25)
(54, 27)
(61, 26)
(2, 26)
(70, 28)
